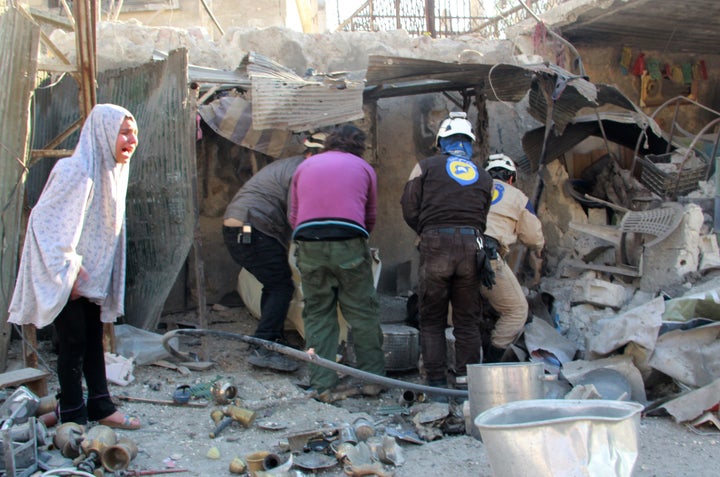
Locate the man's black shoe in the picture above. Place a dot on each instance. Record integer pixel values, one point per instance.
(265, 358)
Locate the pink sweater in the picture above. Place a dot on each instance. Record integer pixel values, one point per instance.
(334, 185)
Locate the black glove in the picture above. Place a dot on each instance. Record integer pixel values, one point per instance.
(485, 270)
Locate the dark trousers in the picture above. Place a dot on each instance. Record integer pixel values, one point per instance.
(448, 275)
(267, 260)
(80, 334)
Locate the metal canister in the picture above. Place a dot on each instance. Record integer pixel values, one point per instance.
(223, 393)
(347, 434)
(363, 428)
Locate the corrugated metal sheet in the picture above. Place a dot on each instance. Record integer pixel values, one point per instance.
(231, 117)
(392, 76)
(54, 108)
(550, 88)
(282, 99)
(619, 128)
(19, 38)
(547, 84)
(161, 196)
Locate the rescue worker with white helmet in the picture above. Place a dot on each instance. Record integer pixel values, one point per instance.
(511, 219)
(446, 201)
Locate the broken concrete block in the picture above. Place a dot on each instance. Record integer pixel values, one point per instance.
(599, 293)
(556, 210)
(709, 253)
(597, 216)
(579, 320)
(667, 263)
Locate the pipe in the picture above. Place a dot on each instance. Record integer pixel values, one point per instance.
(67, 471)
(309, 358)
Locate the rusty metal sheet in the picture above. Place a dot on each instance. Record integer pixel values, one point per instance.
(55, 108)
(161, 195)
(282, 99)
(19, 36)
(231, 117)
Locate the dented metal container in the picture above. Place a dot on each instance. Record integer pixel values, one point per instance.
(561, 438)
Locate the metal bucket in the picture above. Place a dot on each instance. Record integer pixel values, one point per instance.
(561, 438)
(491, 385)
(401, 345)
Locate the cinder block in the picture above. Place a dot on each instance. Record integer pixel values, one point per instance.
(599, 293)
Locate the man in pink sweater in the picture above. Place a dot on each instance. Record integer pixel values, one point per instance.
(332, 212)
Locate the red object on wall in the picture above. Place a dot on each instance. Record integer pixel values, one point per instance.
(703, 69)
(639, 66)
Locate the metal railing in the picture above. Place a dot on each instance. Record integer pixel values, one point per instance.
(443, 18)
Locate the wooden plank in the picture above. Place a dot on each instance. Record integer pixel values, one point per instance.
(608, 233)
(109, 342)
(35, 380)
(161, 401)
(626, 270)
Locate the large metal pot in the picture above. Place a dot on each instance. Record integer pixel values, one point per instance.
(561, 438)
(491, 385)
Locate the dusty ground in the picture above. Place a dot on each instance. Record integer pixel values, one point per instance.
(178, 435)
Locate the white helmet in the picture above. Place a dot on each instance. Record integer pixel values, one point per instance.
(500, 161)
(455, 123)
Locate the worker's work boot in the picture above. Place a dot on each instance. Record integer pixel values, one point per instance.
(437, 383)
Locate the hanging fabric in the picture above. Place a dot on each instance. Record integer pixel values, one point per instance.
(639, 66)
(625, 60)
(653, 68)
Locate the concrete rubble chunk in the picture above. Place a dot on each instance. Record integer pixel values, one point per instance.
(599, 293)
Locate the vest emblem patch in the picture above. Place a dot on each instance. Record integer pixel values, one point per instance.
(497, 193)
(461, 170)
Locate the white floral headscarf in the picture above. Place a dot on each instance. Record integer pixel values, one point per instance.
(79, 220)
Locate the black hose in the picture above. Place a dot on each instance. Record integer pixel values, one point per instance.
(310, 358)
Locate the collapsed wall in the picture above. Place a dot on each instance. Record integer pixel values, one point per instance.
(402, 135)
(127, 44)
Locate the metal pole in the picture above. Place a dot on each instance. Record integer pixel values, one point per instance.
(430, 17)
(85, 13)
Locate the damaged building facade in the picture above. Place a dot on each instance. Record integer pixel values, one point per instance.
(600, 262)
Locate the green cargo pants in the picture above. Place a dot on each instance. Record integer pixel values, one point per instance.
(339, 273)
